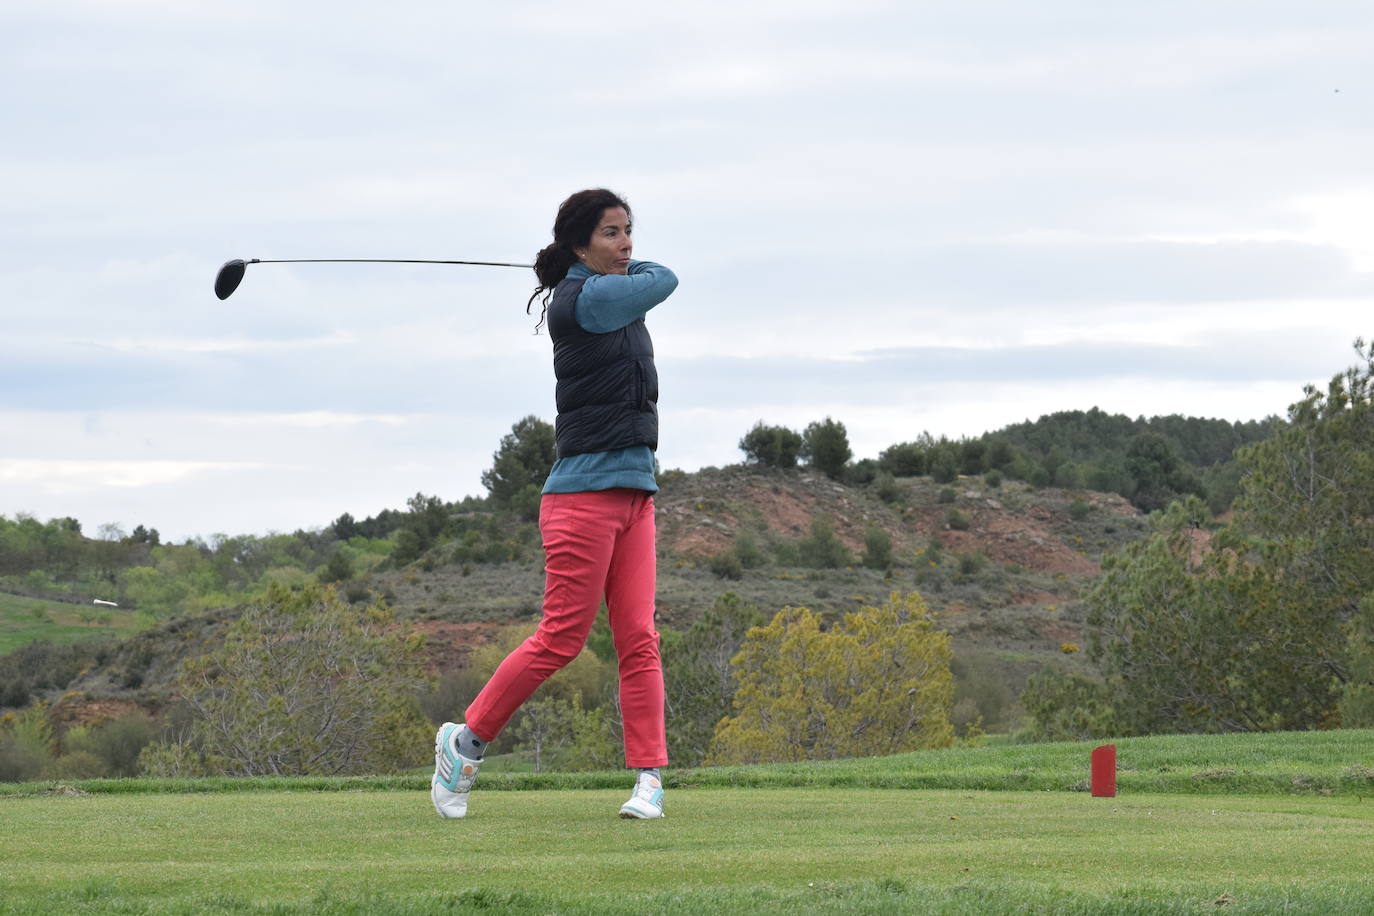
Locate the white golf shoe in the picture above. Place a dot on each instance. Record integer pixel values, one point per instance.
(454, 774)
(647, 800)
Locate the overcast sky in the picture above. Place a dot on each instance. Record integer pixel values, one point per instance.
(908, 216)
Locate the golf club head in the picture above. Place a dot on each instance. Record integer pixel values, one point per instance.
(229, 277)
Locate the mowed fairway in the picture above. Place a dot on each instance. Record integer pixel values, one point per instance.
(720, 850)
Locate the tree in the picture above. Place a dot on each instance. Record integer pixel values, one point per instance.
(142, 535)
(697, 676)
(339, 568)
(1264, 626)
(1200, 640)
(544, 725)
(876, 683)
(1312, 485)
(904, 459)
(771, 446)
(943, 463)
(1356, 705)
(825, 446)
(523, 461)
(345, 527)
(1160, 474)
(306, 684)
(1067, 707)
(562, 732)
(973, 456)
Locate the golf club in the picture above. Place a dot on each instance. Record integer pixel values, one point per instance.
(231, 274)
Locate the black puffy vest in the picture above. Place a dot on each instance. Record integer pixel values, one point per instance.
(607, 391)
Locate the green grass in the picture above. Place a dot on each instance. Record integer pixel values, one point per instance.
(23, 620)
(1335, 763)
(755, 850)
(1251, 823)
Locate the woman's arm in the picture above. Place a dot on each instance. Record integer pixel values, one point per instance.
(608, 302)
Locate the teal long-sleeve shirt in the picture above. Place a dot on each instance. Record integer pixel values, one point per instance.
(608, 302)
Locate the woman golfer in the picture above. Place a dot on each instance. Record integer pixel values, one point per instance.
(596, 516)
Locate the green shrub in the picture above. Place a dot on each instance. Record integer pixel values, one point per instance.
(993, 478)
(171, 760)
(76, 765)
(946, 495)
(823, 549)
(787, 553)
(19, 760)
(877, 548)
(726, 565)
(861, 473)
(970, 565)
(747, 549)
(1079, 510)
(957, 520)
(886, 488)
(116, 743)
(1067, 707)
(905, 459)
(339, 568)
(825, 445)
(771, 446)
(944, 465)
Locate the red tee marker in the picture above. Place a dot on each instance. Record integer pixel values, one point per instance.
(1104, 771)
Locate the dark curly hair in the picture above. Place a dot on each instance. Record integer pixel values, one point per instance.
(572, 228)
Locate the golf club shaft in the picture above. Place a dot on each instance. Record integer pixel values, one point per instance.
(378, 261)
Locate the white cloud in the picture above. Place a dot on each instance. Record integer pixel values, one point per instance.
(69, 476)
(1045, 205)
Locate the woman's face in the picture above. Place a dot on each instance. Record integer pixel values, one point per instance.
(608, 252)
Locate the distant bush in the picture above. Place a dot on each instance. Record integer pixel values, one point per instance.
(25, 739)
(957, 520)
(786, 553)
(946, 495)
(746, 548)
(877, 548)
(970, 565)
(1067, 707)
(339, 568)
(944, 465)
(726, 565)
(341, 683)
(171, 759)
(1079, 510)
(972, 456)
(115, 743)
(993, 478)
(771, 446)
(905, 459)
(861, 473)
(825, 445)
(886, 488)
(823, 549)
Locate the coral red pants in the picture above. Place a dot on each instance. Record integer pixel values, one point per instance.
(597, 543)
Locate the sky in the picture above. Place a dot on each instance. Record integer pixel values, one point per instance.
(911, 217)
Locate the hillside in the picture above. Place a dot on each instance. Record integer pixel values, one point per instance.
(1011, 578)
(1002, 568)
